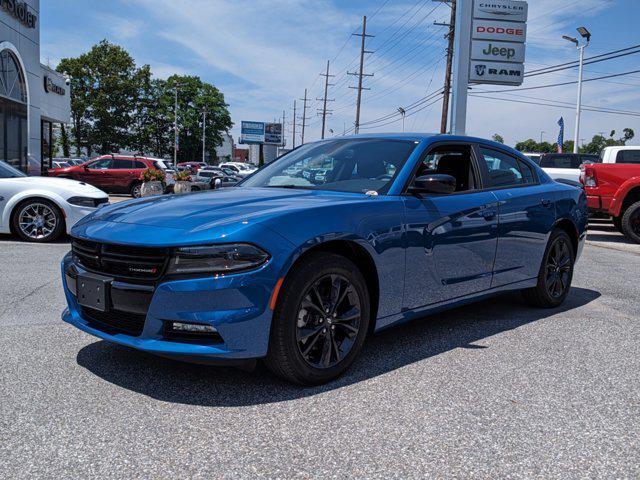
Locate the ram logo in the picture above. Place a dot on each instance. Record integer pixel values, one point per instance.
(480, 69)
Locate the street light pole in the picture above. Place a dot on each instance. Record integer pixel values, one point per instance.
(584, 33)
(576, 136)
(204, 134)
(541, 133)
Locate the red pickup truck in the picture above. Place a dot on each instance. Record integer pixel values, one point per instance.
(614, 189)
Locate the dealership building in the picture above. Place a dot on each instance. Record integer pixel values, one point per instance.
(33, 97)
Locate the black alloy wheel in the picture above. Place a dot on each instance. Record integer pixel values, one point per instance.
(556, 272)
(320, 321)
(558, 269)
(328, 321)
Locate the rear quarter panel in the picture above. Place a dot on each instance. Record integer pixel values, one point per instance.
(571, 205)
(615, 181)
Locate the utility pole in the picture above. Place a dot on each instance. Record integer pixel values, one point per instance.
(293, 143)
(304, 115)
(204, 134)
(324, 100)
(282, 136)
(360, 74)
(175, 129)
(447, 75)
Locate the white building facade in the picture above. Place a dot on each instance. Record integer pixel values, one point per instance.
(33, 97)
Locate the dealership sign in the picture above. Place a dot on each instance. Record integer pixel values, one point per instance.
(51, 87)
(502, 31)
(498, 36)
(496, 72)
(252, 132)
(273, 133)
(20, 11)
(497, 51)
(510, 10)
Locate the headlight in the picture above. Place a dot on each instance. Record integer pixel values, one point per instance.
(217, 259)
(83, 202)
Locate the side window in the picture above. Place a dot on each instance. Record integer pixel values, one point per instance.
(505, 170)
(451, 160)
(141, 165)
(628, 156)
(120, 164)
(102, 164)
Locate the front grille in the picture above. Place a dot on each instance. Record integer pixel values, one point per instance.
(122, 261)
(115, 321)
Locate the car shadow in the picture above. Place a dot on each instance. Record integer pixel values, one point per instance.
(611, 238)
(184, 383)
(6, 237)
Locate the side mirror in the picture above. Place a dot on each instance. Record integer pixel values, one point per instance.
(86, 168)
(437, 183)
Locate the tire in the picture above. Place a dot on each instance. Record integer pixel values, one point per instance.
(38, 220)
(135, 190)
(556, 273)
(301, 336)
(617, 222)
(631, 223)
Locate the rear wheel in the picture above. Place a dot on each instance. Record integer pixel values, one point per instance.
(38, 220)
(631, 222)
(320, 322)
(136, 190)
(556, 273)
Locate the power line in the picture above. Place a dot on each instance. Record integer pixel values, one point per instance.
(562, 67)
(564, 83)
(590, 109)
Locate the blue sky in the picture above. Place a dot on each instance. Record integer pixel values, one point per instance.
(263, 54)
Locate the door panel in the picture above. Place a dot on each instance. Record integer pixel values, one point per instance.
(526, 216)
(451, 246)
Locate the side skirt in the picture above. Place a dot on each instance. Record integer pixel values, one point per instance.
(408, 315)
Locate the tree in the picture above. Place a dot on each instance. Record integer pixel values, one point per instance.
(64, 141)
(105, 90)
(195, 97)
(497, 138)
(152, 130)
(530, 145)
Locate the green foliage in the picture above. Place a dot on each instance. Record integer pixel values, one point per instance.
(183, 176)
(497, 138)
(64, 141)
(117, 105)
(595, 146)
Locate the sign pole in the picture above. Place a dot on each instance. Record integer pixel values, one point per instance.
(461, 55)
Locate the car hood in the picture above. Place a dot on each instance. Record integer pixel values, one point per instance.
(58, 185)
(215, 208)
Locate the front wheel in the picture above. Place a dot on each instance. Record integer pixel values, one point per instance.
(556, 273)
(320, 321)
(631, 223)
(38, 220)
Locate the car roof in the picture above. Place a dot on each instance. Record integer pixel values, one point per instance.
(431, 137)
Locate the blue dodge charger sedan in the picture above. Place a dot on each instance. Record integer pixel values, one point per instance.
(297, 271)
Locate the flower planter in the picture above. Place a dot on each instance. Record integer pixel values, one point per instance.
(182, 187)
(151, 188)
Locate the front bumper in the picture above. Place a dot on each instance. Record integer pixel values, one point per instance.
(236, 305)
(75, 213)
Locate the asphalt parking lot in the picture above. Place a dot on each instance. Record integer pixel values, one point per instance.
(495, 389)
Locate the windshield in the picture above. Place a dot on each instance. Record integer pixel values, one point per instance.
(7, 171)
(345, 165)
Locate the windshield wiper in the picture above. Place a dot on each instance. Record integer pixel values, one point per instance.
(288, 186)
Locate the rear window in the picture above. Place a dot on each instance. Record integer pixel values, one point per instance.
(628, 156)
(122, 164)
(560, 161)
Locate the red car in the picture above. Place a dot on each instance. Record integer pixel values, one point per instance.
(614, 189)
(111, 173)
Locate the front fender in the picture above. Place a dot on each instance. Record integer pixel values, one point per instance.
(615, 208)
(58, 200)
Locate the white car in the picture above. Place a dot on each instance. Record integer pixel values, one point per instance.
(241, 169)
(40, 209)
